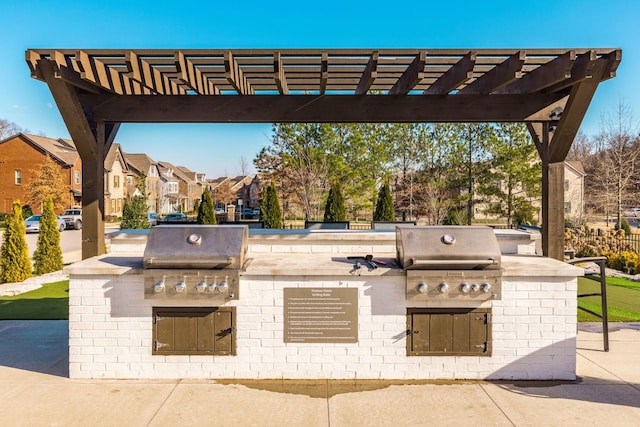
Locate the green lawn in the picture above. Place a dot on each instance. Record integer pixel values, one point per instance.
(623, 300)
(50, 302)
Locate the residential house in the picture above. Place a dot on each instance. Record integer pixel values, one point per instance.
(23, 153)
(115, 181)
(137, 165)
(197, 181)
(182, 191)
(225, 190)
(574, 176)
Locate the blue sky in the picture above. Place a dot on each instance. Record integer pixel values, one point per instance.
(217, 149)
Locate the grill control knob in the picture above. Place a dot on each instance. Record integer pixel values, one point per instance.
(486, 288)
(180, 287)
(158, 287)
(201, 287)
(422, 288)
(223, 287)
(465, 288)
(475, 287)
(443, 288)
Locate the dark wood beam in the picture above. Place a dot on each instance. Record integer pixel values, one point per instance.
(535, 130)
(90, 140)
(316, 109)
(574, 111)
(581, 70)
(368, 75)
(457, 75)
(549, 74)
(499, 76)
(411, 76)
(278, 74)
(324, 72)
(235, 76)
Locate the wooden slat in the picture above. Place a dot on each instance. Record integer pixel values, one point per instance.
(582, 69)
(191, 76)
(278, 74)
(501, 75)
(94, 71)
(141, 71)
(368, 75)
(544, 76)
(235, 76)
(411, 77)
(457, 75)
(324, 71)
(614, 59)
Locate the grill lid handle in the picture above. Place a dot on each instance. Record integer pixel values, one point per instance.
(446, 263)
(192, 263)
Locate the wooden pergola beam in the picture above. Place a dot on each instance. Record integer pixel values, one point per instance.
(324, 72)
(316, 109)
(499, 76)
(368, 75)
(235, 76)
(549, 74)
(457, 75)
(193, 77)
(278, 74)
(411, 76)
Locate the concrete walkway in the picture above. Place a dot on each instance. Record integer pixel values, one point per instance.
(35, 391)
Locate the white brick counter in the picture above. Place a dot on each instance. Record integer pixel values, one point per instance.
(110, 322)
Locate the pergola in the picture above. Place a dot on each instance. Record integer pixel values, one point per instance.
(548, 89)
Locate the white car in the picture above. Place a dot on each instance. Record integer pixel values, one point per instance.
(33, 223)
(632, 213)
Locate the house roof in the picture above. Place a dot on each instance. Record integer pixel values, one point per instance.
(61, 150)
(114, 154)
(139, 161)
(577, 166)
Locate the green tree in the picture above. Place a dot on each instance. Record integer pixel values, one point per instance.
(135, 210)
(516, 173)
(47, 181)
(48, 254)
(196, 205)
(270, 212)
(384, 206)
(206, 212)
(14, 254)
(334, 209)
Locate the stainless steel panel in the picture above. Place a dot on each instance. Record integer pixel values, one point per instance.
(427, 285)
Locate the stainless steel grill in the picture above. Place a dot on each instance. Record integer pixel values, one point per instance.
(450, 263)
(195, 261)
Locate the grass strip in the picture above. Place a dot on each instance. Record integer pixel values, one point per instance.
(623, 302)
(50, 302)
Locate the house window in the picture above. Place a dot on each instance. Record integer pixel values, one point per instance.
(173, 187)
(78, 177)
(567, 207)
(18, 176)
(566, 184)
(129, 180)
(116, 181)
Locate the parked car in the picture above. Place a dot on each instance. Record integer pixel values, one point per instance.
(175, 217)
(152, 217)
(256, 212)
(633, 213)
(73, 218)
(33, 223)
(219, 211)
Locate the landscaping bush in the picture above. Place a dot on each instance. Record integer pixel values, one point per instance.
(270, 212)
(26, 211)
(334, 209)
(206, 212)
(384, 206)
(625, 261)
(14, 255)
(47, 257)
(624, 225)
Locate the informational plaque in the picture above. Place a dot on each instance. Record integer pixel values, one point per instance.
(320, 315)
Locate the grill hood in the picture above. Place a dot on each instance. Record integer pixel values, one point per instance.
(196, 247)
(446, 248)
